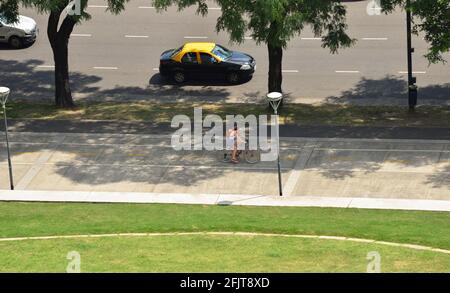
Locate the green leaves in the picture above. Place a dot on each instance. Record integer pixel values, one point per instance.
(161, 5)
(278, 21)
(10, 8)
(432, 18)
(275, 22)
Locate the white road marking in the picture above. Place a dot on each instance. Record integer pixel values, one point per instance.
(155, 69)
(146, 7)
(133, 36)
(97, 6)
(46, 66)
(214, 8)
(347, 71)
(81, 35)
(248, 38)
(414, 72)
(106, 68)
(374, 39)
(290, 71)
(311, 39)
(195, 37)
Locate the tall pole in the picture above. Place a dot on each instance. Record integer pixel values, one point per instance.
(11, 183)
(280, 187)
(412, 88)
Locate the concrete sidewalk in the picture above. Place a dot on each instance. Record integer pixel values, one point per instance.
(313, 167)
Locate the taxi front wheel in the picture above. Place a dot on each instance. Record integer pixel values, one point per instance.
(179, 77)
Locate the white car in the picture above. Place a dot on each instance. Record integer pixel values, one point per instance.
(20, 33)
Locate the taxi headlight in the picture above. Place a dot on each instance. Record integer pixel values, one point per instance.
(246, 67)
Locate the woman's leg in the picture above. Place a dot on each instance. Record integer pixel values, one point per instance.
(234, 153)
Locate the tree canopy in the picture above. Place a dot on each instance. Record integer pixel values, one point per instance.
(276, 21)
(432, 18)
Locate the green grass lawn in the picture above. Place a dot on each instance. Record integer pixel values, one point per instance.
(218, 253)
(186, 253)
(303, 114)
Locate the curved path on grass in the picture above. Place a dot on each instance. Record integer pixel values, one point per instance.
(405, 245)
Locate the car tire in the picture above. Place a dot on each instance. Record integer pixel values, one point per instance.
(233, 77)
(15, 42)
(179, 77)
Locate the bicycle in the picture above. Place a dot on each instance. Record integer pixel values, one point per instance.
(250, 156)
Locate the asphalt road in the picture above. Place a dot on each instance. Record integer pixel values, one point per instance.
(116, 57)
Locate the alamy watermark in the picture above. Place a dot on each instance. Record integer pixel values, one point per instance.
(74, 8)
(190, 134)
(374, 265)
(374, 7)
(74, 265)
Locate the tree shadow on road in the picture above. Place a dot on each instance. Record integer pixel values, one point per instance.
(28, 80)
(7, 47)
(391, 90)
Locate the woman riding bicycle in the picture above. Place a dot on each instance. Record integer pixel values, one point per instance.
(232, 142)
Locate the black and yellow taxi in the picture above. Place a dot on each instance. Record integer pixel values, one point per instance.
(206, 60)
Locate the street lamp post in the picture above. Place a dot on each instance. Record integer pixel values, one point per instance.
(4, 93)
(275, 99)
(412, 88)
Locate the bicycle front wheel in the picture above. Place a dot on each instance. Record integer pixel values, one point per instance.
(252, 156)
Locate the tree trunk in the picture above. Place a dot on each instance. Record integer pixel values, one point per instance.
(275, 68)
(63, 95)
(59, 41)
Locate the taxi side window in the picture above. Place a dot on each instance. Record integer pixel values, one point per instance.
(207, 59)
(190, 57)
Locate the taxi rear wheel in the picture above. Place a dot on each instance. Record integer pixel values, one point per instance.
(179, 77)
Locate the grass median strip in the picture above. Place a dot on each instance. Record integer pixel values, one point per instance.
(302, 114)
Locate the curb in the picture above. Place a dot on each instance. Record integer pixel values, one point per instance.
(225, 200)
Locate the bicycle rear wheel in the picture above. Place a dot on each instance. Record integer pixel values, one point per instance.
(226, 157)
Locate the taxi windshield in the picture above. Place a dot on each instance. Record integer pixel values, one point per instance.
(221, 52)
(175, 52)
